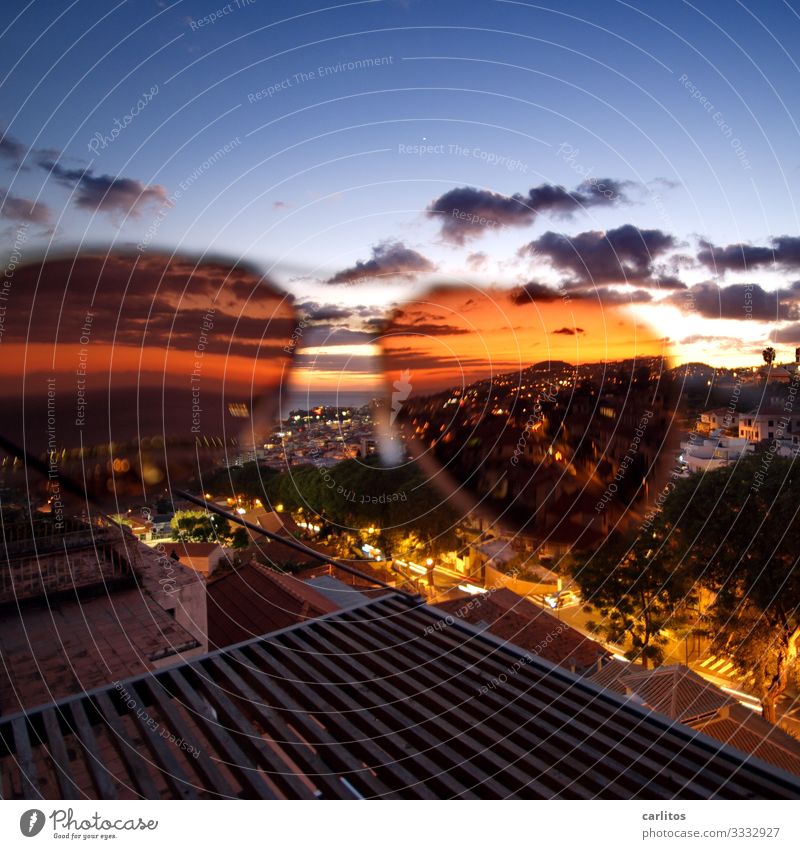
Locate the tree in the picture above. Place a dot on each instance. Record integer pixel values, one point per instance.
(769, 355)
(639, 594)
(734, 532)
(198, 526)
(240, 538)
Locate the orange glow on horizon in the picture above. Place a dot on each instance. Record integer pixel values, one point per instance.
(452, 336)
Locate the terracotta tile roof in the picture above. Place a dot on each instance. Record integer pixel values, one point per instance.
(194, 549)
(683, 695)
(269, 520)
(673, 690)
(81, 644)
(516, 620)
(751, 733)
(252, 600)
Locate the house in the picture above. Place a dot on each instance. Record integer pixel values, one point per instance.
(704, 454)
(96, 605)
(253, 599)
(270, 520)
(514, 619)
(770, 420)
(719, 419)
(161, 525)
(681, 694)
(203, 557)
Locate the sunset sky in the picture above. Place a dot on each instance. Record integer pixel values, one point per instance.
(360, 154)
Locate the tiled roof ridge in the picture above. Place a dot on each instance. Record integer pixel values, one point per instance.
(288, 584)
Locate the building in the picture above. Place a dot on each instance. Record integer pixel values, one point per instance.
(721, 419)
(704, 453)
(770, 421)
(203, 557)
(270, 520)
(388, 699)
(516, 620)
(253, 599)
(683, 695)
(96, 605)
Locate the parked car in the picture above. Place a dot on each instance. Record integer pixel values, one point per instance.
(564, 598)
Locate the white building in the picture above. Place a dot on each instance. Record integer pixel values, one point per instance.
(702, 454)
(769, 422)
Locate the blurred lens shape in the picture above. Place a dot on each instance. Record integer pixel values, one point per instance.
(131, 373)
(551, 418)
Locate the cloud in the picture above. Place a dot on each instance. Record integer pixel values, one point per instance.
(422, 322)
(569, 331)
(425, 329)
(708, 340)
(783, 250)
(790, 334)
(740, 301)
(163, 301)
(12, 150)
(535, 291)
(621, 255)
(467, 212)
(115, 195)
(476, 261)
(314, 311)
(389, 259)
(23, 209)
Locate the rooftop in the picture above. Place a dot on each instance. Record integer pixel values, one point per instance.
(516, 620)
(253, 600)
(673, 690)
(682, 694)
(384, 700)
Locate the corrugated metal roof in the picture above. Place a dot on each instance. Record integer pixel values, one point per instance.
(388, 699)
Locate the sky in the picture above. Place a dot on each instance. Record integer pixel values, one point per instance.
(640, 155)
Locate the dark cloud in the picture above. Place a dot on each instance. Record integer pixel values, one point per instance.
(328, 335)
(468, 212)
(159, 302)
(535, 291)
(668, 281)
(115, 195)
(314, 311)
(389, 259)
(625, 254)
(783, 250)
(423, 328)
(569, 331)
(420, 361)
(23, 209)
(12, 150)
(477, 260)
(789, 335)
(613, 296)
(740, 301)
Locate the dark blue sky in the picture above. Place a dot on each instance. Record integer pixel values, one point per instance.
(691, 109)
